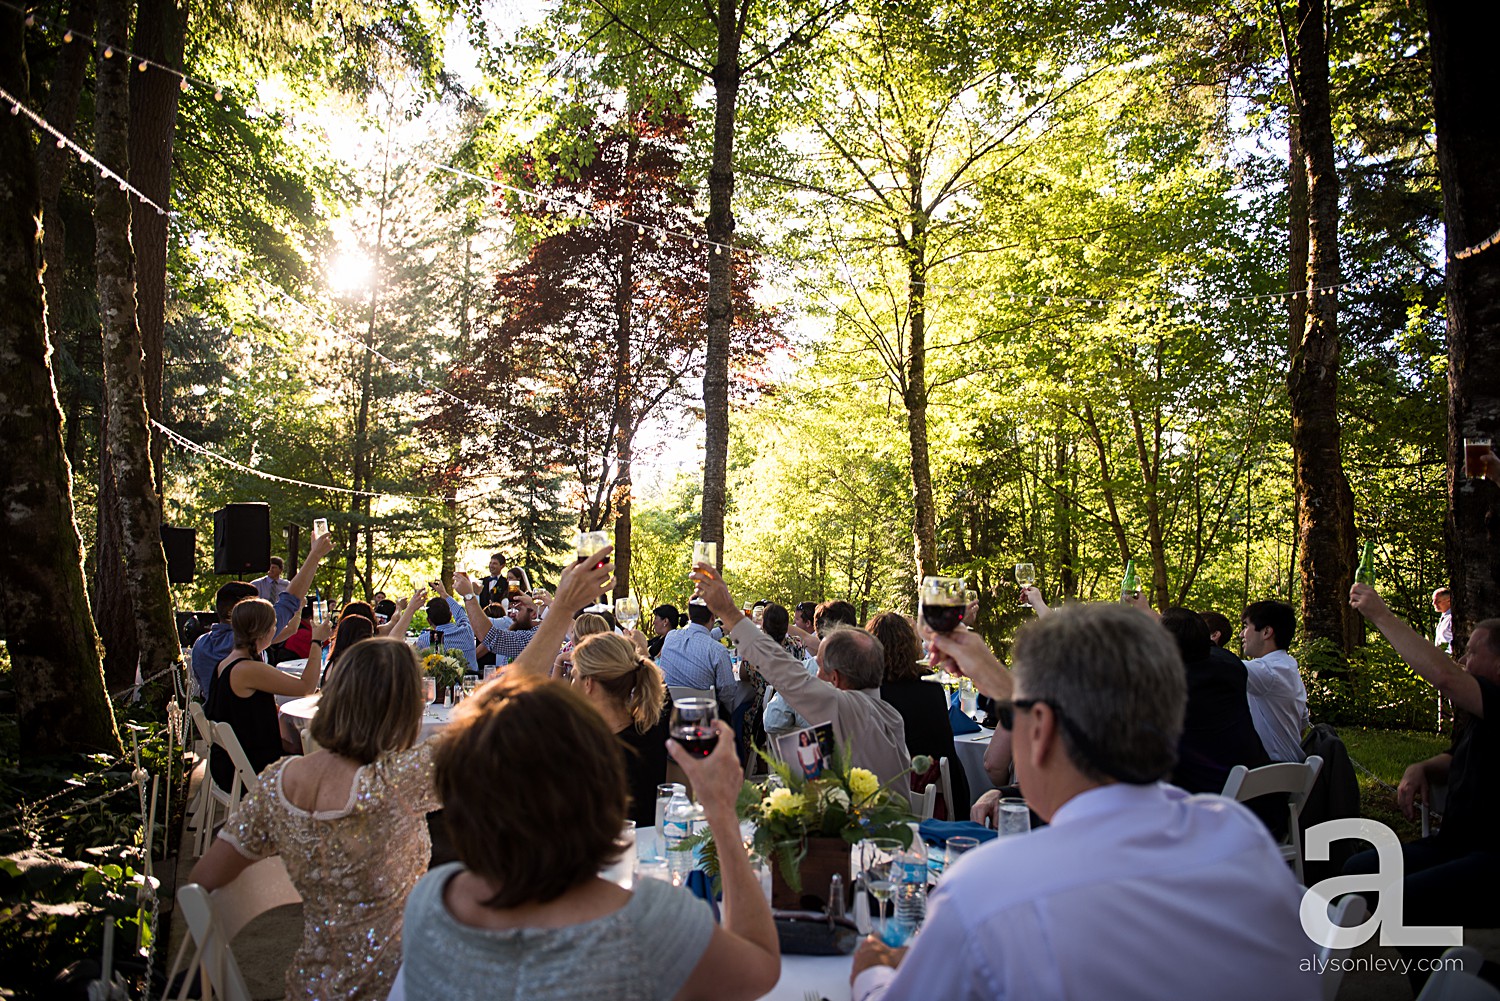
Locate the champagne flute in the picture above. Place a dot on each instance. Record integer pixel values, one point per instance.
(693, 725)
(943, 603)
(628, 611)
(876, 858)
(1025, 577)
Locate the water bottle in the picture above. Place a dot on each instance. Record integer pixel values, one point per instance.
(681, 819)
(911, 885)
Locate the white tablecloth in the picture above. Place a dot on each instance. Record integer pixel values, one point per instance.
(302, 710)
(971, 748)
(292, 669)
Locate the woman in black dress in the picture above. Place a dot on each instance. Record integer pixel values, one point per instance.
(922, 704)
(628, 690)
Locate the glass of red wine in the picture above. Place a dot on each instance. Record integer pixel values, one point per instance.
(693, 725)
(943, 603)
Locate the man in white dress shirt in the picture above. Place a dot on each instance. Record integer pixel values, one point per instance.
(1278, 699)
(1134, 890)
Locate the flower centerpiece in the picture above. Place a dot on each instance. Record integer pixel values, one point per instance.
(446, 668)
(806, 827)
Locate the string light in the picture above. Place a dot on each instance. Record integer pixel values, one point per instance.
(718, 248)
(84, 156)
(1479, 247)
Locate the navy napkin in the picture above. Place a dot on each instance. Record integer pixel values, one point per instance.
(959, 720)
(937, 832)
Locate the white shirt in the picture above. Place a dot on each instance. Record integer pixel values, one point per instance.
(1278, 704)
(1133, 892)
(1444, 635)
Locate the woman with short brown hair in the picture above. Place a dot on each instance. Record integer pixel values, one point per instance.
(533, 791)
(350, 821)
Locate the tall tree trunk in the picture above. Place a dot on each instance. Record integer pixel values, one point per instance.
(450, 538)
(114, 612)
(357, 505)
(624, 418)
(726, 81)
(1325, 508)
(129, 438)
(924, 522)
(1468, 147)
(60, 694)
(1062, 514)
(159, 29)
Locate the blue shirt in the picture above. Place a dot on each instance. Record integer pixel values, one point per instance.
(1134, 893)
(214, 645)
(457, 635)
(691, 658)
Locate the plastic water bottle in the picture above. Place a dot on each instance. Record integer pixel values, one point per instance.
(680, 820)
(911, 885)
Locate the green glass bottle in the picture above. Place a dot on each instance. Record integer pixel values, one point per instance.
(1130, 588)
(1366, 572)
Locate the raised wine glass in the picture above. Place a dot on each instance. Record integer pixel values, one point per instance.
(590, 543)
(943, 603)
(1025, 577)
(706, 552)
(628, 611)
(693, 725)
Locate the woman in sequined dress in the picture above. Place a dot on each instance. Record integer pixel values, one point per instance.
(349, 821)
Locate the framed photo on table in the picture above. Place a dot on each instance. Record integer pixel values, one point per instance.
(808, 750)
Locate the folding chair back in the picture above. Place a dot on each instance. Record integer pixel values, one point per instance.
(1295, 780)
(214, 919)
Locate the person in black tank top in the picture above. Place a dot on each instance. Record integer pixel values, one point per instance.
(252, 716)
(629, 692)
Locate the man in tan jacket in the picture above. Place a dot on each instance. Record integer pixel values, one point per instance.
(846, 690)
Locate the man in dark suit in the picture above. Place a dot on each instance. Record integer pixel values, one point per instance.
(1218, 731)
(495, 586)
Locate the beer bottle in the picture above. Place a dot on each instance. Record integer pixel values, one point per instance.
(1366, 572)
(1129, 587)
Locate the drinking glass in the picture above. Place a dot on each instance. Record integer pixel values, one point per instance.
(1474, 450)
(706, 552)
(320, 526)
(956, 847)
(1025, 577)
(489, 672)
(590, 543)
(693, 725)
(1015, 816)
(320, 611)
(943, 603)
(628, 611)
(876, 857)
(429, 688)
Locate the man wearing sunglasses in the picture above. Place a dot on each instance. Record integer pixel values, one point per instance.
(1134, 890)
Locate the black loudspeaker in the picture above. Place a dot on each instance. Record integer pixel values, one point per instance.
(181, 547)
(242, 540)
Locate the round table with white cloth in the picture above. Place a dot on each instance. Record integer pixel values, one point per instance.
(971, 748)
(301, 711)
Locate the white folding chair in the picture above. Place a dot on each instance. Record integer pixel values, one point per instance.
(214, 919)
(945, 776)
(202, 813)
(1437, 799)
(1347, 913)
(1292, 778)
(923, 802)
(245, 778)
(1457, 978)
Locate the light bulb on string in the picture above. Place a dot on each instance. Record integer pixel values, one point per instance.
(218, 95)
(182, 85)
(31, 20)
(67, 36)
(62, 143)
(141, 66)
(109, 52)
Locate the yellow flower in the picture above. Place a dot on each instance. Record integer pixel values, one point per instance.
(784, 801)
(863, 783)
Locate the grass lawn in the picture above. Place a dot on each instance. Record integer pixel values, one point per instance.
(1387, 753)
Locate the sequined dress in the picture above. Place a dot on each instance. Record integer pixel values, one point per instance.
(354, 868)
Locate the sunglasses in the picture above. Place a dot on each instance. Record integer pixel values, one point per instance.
(1005, 714)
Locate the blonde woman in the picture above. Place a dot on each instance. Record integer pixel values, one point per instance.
(628, 691)
(349, 821)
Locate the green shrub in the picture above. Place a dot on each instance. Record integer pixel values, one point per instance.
(1377, 690)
